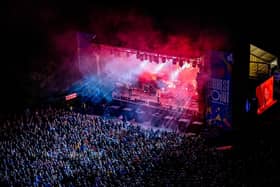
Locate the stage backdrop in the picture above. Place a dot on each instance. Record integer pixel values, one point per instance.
(219, 91)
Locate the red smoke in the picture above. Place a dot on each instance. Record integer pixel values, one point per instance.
(133, 29)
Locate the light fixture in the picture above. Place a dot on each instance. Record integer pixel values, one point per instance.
(156, 59)
(163, 59)
(194, 64)
(151, 58)
(181, 62)
(145, 56)
(141, 57)
(174, 61)
(137, 55)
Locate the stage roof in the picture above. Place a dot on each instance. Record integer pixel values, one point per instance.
(261, 63)
(261, 54)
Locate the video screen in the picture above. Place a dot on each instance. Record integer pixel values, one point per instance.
(264, 93)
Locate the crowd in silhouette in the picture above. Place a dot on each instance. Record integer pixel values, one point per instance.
(58, 147)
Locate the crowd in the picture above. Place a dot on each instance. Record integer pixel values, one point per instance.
(58, 147)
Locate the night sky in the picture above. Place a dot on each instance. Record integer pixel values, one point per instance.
(30, 29)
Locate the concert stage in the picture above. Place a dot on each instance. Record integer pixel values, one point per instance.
(139, 84)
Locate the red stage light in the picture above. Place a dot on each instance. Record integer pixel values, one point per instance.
(181, 63)
(145, 57)
(156, 59)
(194, 64)
(137, 55)
(151, 58)
(141, 57)
(163, 59)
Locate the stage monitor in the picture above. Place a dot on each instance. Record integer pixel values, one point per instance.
(264, 93)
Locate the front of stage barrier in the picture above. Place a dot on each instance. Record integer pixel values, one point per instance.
(183, 124)
(169, 122)
(195, 126)
(156, 104)
(141, 116)
(114, 110)
(156, 120)
(128, 113)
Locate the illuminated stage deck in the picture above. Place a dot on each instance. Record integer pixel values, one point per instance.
(188, 104)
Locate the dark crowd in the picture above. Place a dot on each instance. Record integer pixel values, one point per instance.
(59, 147)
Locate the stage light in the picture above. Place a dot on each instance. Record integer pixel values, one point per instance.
(156, 59)
(141, 57)
(137, 55)
(151, 58)
(145, 56)
(194, 64)
(181, 62)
